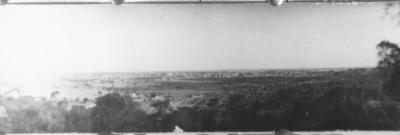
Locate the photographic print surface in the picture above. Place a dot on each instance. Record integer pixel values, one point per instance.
(212, 68)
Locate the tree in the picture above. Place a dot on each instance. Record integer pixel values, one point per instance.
(78, 119)
(115, 112)
(389, 67)
(162, 120)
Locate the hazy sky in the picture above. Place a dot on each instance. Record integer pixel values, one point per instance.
(95, 38)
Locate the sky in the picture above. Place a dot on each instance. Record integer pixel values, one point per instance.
(173, 37)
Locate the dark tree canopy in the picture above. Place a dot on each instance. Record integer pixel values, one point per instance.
(389, 67)
(115, 112)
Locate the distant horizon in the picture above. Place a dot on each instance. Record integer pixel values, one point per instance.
(238, 69)
(252, 69)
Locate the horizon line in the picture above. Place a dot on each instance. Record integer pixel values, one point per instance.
(237, 69)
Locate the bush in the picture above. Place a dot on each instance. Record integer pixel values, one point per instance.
(118, 113)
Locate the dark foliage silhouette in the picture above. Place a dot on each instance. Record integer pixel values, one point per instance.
(389, 66)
